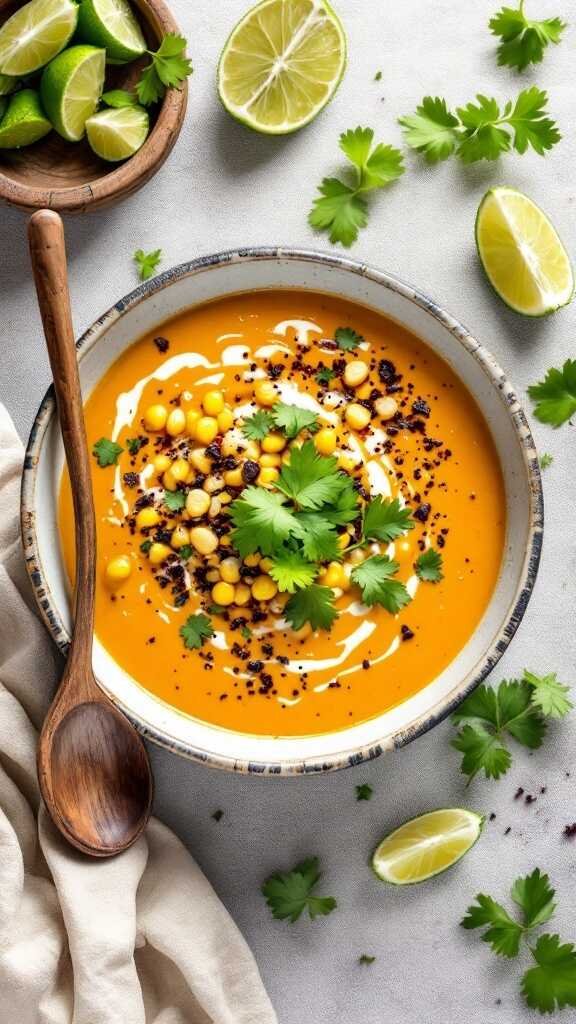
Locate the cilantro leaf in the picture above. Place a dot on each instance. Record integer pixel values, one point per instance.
(196, 630)
(433, 130)
(341, 208)
(347, 339)
(289, 893)
(523, 40)
(546, 460)
(429, 566)
(106, 452)
(291, 571)
(313, 604)
(168, 68)
(119, 98)
(556, 395)
(257, 426)
(535, 896)
(345, 508)
(291, 419)
(134, 444)
(318, 536)
(309, 479)
(373, 576)
(552, 984)
(482, 751)
(147, 262)
(531, 127)
(386, 520)
(503, 934)
(262, 521)
(364, 791)
(548, 695)
(483, 137)
(517, 714)
(174, 500)
(325, 375)
(366, 959)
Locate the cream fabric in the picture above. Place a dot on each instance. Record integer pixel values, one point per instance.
(140, 939)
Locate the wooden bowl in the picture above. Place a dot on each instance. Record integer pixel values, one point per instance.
(68, 176)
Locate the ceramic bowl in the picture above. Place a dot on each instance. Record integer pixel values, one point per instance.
(247, 270)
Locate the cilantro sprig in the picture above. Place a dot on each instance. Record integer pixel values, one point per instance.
(196, 630)
(374, 577)
(168, 68)
(523, 41)
(291, 420)
(341, 208)
(289, 893)
(518, 709)
(106, 452)
(481, 130)
(555, 396)
(428, 566)
(551, 983)
(147, 262)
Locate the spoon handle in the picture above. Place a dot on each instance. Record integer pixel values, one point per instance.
(48, 255)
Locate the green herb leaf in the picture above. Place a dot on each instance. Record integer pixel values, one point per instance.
(546, 460)
(134, 444)
(258, 426)
(535, 896)
(196, 630)
(555, 396)
(289, 893)
(313, 604)
(169, 67)
(433, 130)
(106, 452)
(552, 984)
(428, 566)
(523, 41)
(347, 339)
(325, 375)
(145, 546)
(318, 536)
(185, 552)
(482, 751)
(147, 262)
(386, 520)
(340, 208)
(365, 959)
(291, 571)
(291, 419)
(374, 579)
(503, 934)
(119, 98)
(174, 500)
(262, 520)
(246, 632)
(548, 695)
(364, 791)
(311, 480)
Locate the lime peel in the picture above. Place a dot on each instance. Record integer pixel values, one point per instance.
(117, 133)
(426, 845)
(34, 35)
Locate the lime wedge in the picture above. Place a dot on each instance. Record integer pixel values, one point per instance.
(35, 34)
(117, 134)
(24, 122)
(282, 63)
(8, 84)
(523, 257)
(111, 24)
(70, 88)
(426, 846)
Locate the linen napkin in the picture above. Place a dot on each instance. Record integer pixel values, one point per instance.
(139, 939)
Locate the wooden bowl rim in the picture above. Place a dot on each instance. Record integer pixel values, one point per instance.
(128, 177)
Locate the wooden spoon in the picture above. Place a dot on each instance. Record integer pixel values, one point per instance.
(93, 768)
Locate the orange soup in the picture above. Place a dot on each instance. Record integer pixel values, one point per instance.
(300, 513)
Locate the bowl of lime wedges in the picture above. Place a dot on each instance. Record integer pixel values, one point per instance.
(92, 98)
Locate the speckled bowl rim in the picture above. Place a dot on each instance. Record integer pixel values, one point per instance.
(421, 723)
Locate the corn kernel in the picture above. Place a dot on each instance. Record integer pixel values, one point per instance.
(386, 407)
(266, 564)
(252, 451)
(348, 461)
(176, 422)
(213, 403)
(155, 418)
(242, 594)
(215, 507)
(147, 517)
(265, 393)
(357, 556)
(118, 569)
(169, 480)
(206, 429)
(180, 537)
(233, 442)
(213, 576)
(192, 417)
(252, 560)
(225, 542)
(355, 373)
(357, 416)
(225, 420)
(303, 633)
(273, 443)
(230, 570)
(223, 593)
(233, 478)
(268, 461)
(343, 540)
(180, 469)
(200, 460)
(325, 441)
(161, 463)
(333, 575)
(224, 498)
(264, 588)
(267, 477)
(203, 540)
(213, 484)
(197, 503)
(159, 553)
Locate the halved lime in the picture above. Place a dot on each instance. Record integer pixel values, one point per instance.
(8, 84)
(70, 88)
(426, 846)
(282, 63)
(522, 255)
(117, 134)
(111, 24)
(35, 34)
(24, 122)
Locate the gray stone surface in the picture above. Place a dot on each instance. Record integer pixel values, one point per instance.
(225, 187)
